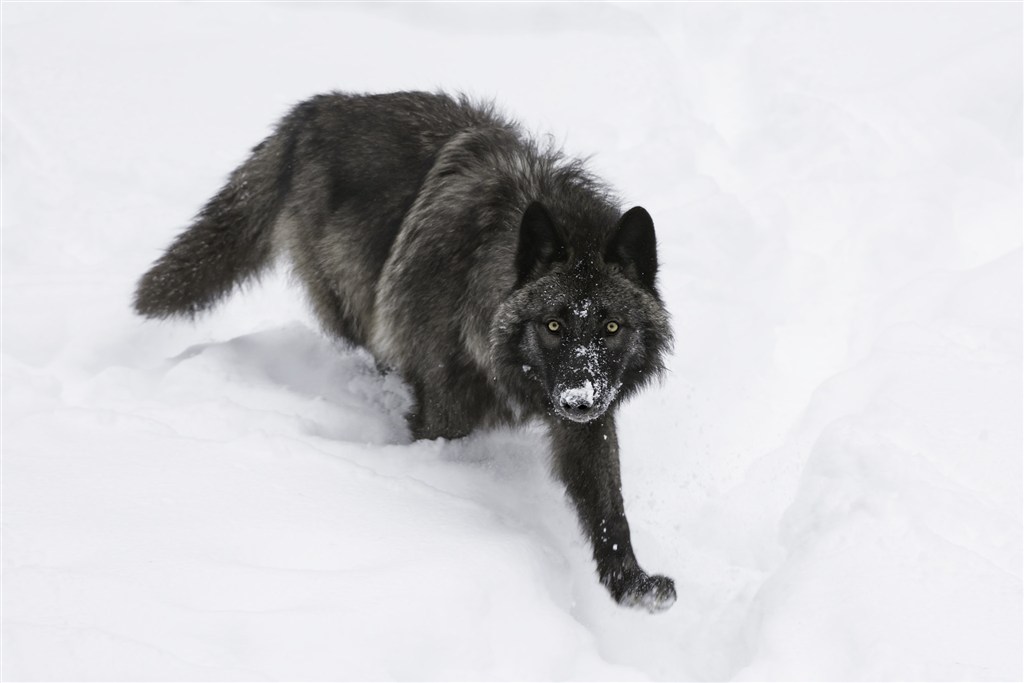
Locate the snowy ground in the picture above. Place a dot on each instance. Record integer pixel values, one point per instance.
(832, 472)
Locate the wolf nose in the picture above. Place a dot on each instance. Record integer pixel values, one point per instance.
(577, 400)
(577, 405)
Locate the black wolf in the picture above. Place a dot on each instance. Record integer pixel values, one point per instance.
(499, 278)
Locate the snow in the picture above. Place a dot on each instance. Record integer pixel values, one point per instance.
(583, 394)
(831, 472)
(582, 308)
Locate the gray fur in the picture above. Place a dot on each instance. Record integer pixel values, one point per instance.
(500, 279)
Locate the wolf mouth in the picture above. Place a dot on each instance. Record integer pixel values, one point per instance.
(589, 416)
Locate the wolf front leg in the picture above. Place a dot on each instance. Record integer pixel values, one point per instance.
(587, 460)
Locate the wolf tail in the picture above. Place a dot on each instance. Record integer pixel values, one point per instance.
(231, 240)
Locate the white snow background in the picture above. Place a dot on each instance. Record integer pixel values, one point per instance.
(831, 472)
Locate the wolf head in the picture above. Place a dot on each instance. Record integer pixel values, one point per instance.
(585, 325)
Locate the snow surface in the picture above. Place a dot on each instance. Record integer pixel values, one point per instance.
(831, 473)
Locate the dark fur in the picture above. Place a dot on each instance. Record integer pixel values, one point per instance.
(433, 232)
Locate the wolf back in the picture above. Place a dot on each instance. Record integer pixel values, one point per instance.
(499, 278)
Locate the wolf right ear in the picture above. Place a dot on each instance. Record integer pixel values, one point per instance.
(540, 243)
(634, 247)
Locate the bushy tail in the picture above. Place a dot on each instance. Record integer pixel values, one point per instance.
(231, 239)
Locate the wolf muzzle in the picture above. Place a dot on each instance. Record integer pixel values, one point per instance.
(580, 403)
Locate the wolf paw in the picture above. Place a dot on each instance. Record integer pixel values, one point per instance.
(652, 593)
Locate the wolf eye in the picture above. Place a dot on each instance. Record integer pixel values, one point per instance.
(612, 327)
(554, 326)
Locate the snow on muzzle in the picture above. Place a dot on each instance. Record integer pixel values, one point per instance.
(582, 402)
(582, 390)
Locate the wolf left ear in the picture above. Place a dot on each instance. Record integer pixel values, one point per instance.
(634, 247)
(540, 242)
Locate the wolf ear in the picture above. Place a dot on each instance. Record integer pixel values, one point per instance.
(634, 247)
(540, 243)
